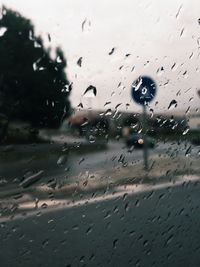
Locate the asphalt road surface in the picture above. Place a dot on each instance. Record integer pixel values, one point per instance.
(153, 227)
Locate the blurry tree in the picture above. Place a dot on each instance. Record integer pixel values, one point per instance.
(33, 86)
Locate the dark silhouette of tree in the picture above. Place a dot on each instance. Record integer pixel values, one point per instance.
(33, 86)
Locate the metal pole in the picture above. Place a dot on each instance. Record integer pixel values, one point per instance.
(145, 148)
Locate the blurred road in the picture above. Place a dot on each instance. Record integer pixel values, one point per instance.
(72, 166)
(156, 227)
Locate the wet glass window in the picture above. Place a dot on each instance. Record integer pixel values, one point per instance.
(99, 133)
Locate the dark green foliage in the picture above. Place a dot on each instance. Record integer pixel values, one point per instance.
(33, 86)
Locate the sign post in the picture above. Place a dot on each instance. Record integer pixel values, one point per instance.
(145, 150)
(143, 91)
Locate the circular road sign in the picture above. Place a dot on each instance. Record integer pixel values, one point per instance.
(143, 90)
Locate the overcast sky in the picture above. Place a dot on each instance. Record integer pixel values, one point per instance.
(157, 34)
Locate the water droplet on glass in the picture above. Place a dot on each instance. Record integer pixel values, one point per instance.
(177, 14)
(80, 105)
(62, 160)
(92, 139)
(91, 91)
(112, 51)
(151, 112)
(44, 206)
(160, 71)
(116, 107)
(59, 59)
(2, 31)
(79, 62)
(115, 243)
(182, 31)
(186, 131)
(83, 24)
(81, 160)
(49, 37)
(52, 183)
(173, 104)
(108, 112)
(34, 66)
(31, 179)
(188, 151)
(187, 111)
(107, 103)
(31, 35)
(173, 66)
(37, 44)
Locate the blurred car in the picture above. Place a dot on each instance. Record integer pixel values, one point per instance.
(137, 140)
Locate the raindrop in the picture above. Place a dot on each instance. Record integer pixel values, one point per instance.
(191, 55)
(2, 31)
(79, 62)
(37, 44)
(107, 103)
(177, 14)
(45, 243)
(169, 240)
(108, 112)
(112, 51)
(173, 104)
(182, 31)
(145, 243)
(81, 160)
(92, 139)
(91, 91)
(119, 84)
(80, 105)
(44, 206)
(115, 243)
(199, 21)
(67, 88)
(127, 55)
(59, 59)
(137, 203)
(62, 160)
(146, 64)
(85, 183)
(83, 24)
(35, 66)
(160, 71)
(49, 37)
(187, 111)
(133, 68)
(31, 179)
(173, 66)
(151, 112)
(31, 35)
(126, 207)
(184, 73)
(116, 107)
(52, 183)
(188, 151)
(89, 230)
